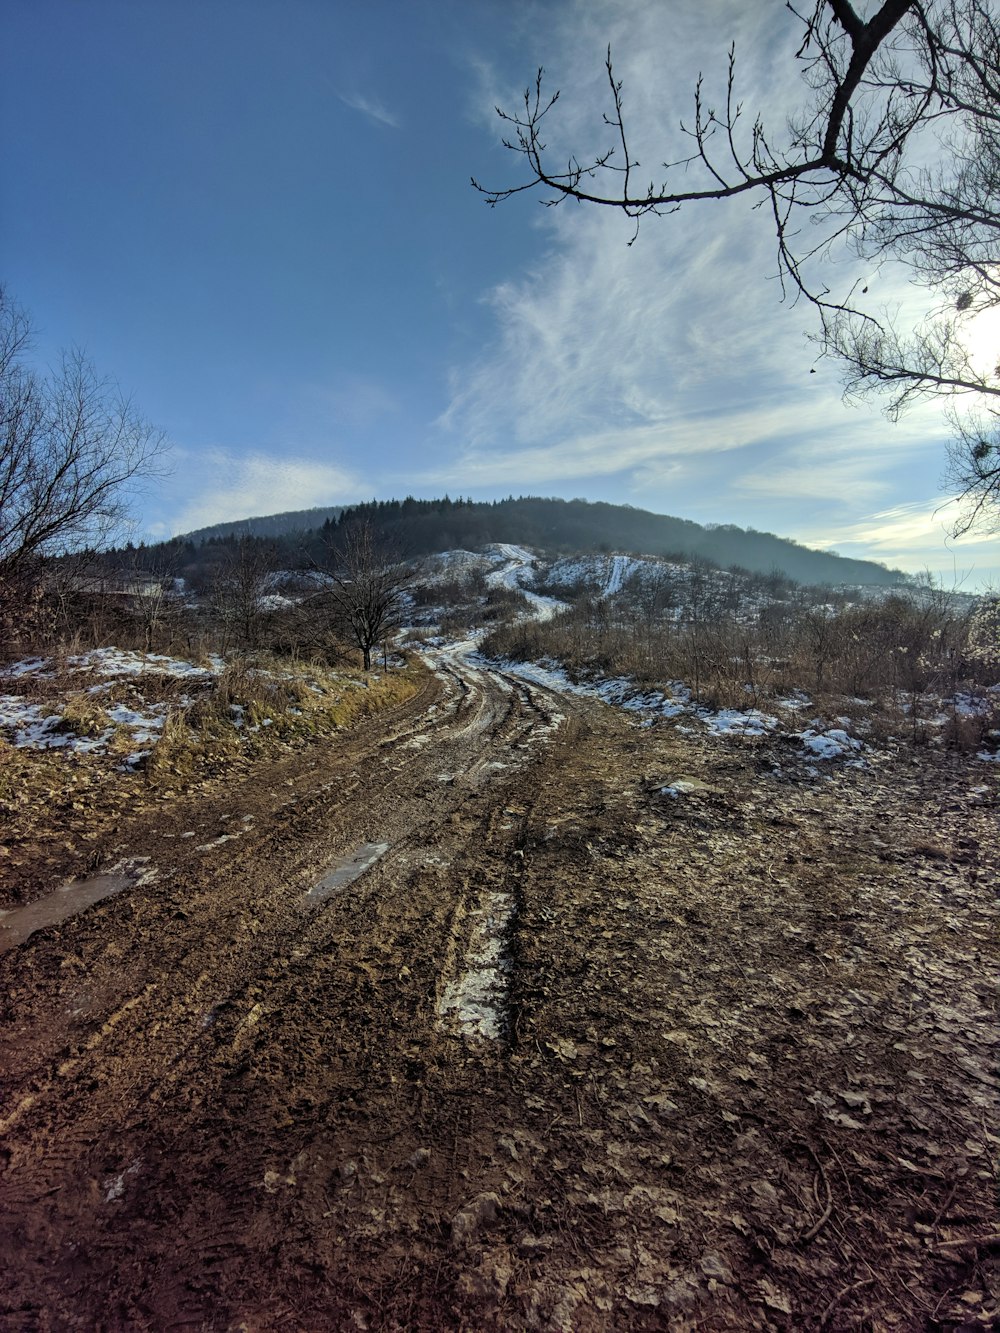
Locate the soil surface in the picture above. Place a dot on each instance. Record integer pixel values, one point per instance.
(553, 1047)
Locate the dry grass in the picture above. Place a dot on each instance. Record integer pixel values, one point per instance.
(58, 807)
(902, 654)
(84, 714)
(180, 744)
(255, 703)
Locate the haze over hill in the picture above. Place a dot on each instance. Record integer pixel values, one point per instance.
(266, 525)
(420, 527)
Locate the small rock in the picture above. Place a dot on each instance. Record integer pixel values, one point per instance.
(475, 1214)
(712, 1265)
(529, 1245)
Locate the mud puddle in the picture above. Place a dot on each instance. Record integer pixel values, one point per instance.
(347, 870)
(76, 896)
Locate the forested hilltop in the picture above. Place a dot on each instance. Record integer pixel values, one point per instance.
(421, 527)
(267, 525)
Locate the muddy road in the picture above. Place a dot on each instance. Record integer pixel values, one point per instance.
(462, 1021)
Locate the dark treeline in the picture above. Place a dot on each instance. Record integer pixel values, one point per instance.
(561, 527)
(414, 528)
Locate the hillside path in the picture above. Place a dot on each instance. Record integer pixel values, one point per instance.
(505, 1011)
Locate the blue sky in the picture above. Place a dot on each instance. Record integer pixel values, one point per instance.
(257, 216)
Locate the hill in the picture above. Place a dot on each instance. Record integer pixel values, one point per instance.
(270, 525)
(555, 527)
(559, 527)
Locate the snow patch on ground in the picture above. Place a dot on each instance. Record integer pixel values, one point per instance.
(609, 573)
(517, 567)
(734, 722)
(448, 565)
(544, 608)
(834, 743)
(621, 692)
(120, 662)
(114, 662)
(682, 787)
(27, 727)
(622, 568)
(27, 667)
(794, 702)
(516, 572)
(43, 726)
(651, 705)
(474, 1003)
(145, 727)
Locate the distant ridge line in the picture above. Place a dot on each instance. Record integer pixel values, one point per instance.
(555, 526)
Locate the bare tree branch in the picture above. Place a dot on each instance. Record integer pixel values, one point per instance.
(896, 154)
(69, 446)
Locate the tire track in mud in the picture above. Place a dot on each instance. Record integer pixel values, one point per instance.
(337, 1097)
(286, 1134)
(98, 1111)
(190, 891)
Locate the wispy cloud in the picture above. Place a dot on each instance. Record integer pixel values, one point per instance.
(674, 444)
(916, 536)
(904, 525)
(241, 487)
(370, 107)
(834, 455)
(600, 334)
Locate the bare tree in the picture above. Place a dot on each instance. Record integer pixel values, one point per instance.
(238, 591)
(896, 152)
(368, 586)
(69, 445)
(150, 580)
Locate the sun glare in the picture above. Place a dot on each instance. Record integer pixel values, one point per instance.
(983, 338)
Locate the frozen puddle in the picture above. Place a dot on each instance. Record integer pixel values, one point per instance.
(348, 869)
(19, 924)
(474, 1004)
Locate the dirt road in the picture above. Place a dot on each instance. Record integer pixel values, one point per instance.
(465, 1022)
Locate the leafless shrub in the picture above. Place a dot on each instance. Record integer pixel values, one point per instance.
(972, 720)
(905, 652)
(238, 592)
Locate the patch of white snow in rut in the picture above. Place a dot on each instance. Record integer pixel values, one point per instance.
(544, 608)
(474, 1004)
